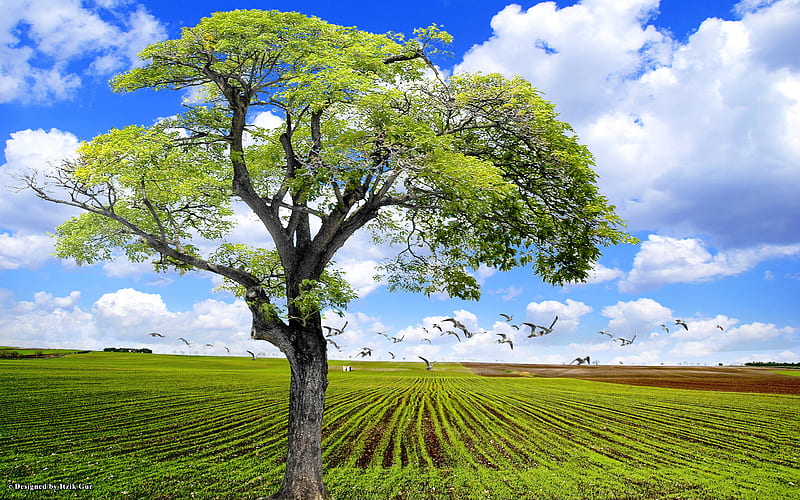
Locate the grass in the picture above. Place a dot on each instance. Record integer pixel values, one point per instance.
(159, 426)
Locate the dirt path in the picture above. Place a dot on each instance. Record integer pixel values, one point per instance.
(707, 378)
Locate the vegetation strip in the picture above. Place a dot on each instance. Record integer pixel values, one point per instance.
(169, 427)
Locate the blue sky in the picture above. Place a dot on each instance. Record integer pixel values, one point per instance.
(690, 108)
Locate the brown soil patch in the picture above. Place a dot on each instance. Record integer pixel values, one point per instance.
(707, 378)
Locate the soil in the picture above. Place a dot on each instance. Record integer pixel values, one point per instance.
(707, 378)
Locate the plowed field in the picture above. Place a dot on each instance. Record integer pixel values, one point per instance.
(708, 378)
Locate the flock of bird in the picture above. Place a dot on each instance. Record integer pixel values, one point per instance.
(189, 344)
(625, 342)
(445, 327)
(454, 327)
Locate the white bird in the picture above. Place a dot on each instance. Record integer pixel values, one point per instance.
(720, 328)
(428, 364)
(508, 317)
(460, 326)
(185, 341)
(156, 334)
(338, 331)
(251, 354)
(664, 327)
(624, 342)
(505, 340)
(549, 329)
(451, 332)
(365, 351)
(682, 323)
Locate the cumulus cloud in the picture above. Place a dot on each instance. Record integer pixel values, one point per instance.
(46, 45)
(24, 251)
(124, 318)
(692, 137)
(635, 317)
(569, 314)
(598, 274)
(663, 260)
(26, 151)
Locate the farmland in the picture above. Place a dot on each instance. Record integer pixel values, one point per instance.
(158, 426)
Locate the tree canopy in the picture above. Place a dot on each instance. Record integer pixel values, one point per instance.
(456, 172)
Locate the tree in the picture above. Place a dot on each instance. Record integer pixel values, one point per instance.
(455, 172)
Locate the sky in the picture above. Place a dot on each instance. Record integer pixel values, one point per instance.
(691, 110)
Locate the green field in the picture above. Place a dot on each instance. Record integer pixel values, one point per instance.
(158, 426)
(6, 350)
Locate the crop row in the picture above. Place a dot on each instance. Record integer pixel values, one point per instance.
(187, 422)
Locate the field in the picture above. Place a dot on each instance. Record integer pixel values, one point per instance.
(9, 352)
(118, 425)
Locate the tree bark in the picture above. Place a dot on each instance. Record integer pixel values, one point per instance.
(309, 369)
(306, 350)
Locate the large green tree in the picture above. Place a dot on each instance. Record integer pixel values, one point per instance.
(455, 172)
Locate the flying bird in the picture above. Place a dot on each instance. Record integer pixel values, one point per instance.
(427, 340)
(605, 332)
(185, 341)
(506, 341)
(156, 334)
(549, 329)
(365, 351)
(682, 323)
(226, 348)
(720, 328)
(397, 339)
(338, 331)
(508, 317)
(391, 354)
(428, 364)
(451, 332)
(251, 354)
(456, 323)
(624, 342)
(334, 344)
(664, 327)
(209, 345)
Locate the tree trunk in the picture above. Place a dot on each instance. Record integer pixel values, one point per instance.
(309, 365)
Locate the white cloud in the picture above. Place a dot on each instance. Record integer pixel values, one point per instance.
(26, 151)
(636, 317)
(663, 260)
(578, 54)
(569, 314)
(24, 251)
(690, 138)
(125, 318)
(45, 45)
(598, 274)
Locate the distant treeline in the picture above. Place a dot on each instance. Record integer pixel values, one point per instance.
(11, 353)
(773, 364)
(127, 349)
